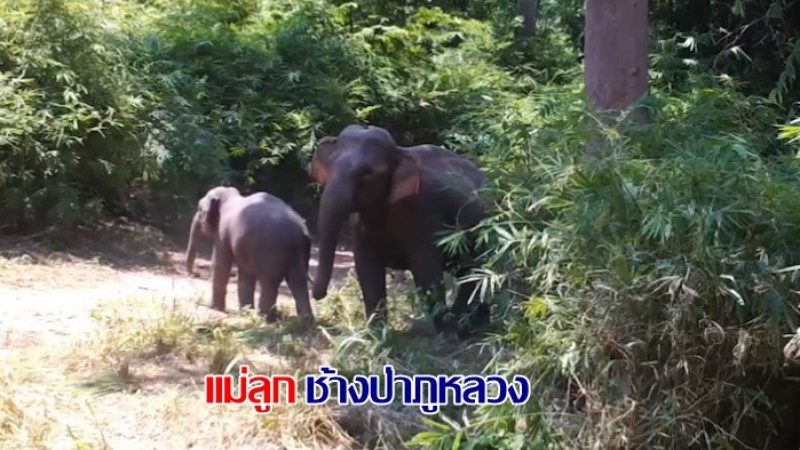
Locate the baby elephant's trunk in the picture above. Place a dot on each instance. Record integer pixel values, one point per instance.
(191, 249)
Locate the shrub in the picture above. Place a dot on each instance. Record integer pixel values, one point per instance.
(653, 286)
(70, 105)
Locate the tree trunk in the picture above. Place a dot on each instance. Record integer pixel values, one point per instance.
(615, 59)
(529, 10)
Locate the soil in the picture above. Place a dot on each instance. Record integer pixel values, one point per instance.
(48, 292)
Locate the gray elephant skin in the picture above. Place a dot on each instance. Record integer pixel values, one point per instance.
(402, 198)
(265, 238)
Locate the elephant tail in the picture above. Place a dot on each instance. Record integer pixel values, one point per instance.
(307, 258)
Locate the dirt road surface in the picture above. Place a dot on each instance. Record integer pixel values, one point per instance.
(47, 299)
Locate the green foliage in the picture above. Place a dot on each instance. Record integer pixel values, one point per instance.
(69, 106)
(654, 285)
(156, 101)
(752, 40)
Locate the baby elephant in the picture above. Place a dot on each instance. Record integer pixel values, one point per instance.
(267, 240)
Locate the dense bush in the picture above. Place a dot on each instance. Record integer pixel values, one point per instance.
(649, 290)
(655, 284)
(71, 105)
(192, 93)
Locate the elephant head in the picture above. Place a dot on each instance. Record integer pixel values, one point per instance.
(362, 170)
(206, 219)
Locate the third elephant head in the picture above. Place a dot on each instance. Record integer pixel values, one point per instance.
(361, 169)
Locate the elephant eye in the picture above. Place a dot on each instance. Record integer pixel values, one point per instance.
(365, 178)
(377, 171)
(363, 171)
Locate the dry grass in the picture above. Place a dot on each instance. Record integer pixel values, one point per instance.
(99, 355)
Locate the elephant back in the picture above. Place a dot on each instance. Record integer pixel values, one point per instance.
(447, 164)
(449, 185)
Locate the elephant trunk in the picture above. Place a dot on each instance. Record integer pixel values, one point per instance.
(335, 205)
(191, 249)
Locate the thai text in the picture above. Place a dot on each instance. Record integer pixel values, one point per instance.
(259, 390)
(429, 392)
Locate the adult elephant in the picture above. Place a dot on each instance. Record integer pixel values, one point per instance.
(266, 239)
(403, 197)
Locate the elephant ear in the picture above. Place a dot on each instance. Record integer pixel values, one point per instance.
(406, 178)
(323, 156)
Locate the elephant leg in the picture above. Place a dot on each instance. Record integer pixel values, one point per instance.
(426, 268)
(247, 289)
(221, 262)
(268, 297)
(478, 313)
(371, 275)
(296, 278)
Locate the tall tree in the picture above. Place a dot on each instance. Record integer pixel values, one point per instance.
(616, 57)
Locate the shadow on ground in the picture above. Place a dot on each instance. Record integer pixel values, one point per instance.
(125, 245)
(120, 244)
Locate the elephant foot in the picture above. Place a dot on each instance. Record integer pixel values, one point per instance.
(438, 323)
(319, 293)
(445, 323)
(308, 322)
(376, 319)
(478, 319)
(464, 333)
(271, 316)
(481, 316)
(448, 322)
(376, 326)
(220, 308)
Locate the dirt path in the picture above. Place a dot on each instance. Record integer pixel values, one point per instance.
(47, 300)
(52, 302)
